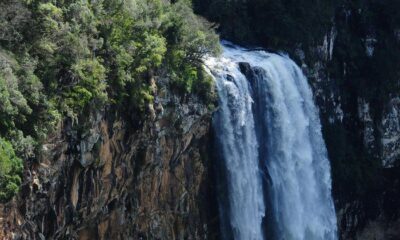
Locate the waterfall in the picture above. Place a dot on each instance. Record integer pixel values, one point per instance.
(274, 174)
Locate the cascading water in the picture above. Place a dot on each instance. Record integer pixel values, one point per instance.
(267, 127)
(235, 129)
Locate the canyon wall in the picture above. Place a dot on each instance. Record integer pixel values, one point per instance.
(110, 179)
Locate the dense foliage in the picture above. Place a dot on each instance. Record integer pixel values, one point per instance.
(10, 171)
(63, 58)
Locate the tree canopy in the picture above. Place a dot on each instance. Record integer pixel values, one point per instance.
(61, 58)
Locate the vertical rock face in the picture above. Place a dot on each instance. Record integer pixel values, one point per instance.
(109, 180)
(363, 142)
(391, 134)
(355, 91)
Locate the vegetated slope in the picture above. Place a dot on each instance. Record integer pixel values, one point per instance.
(63, 59)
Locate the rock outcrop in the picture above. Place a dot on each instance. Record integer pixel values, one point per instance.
(110, 179)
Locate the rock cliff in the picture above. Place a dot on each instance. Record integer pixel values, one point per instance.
(111, 179)
(359, 111)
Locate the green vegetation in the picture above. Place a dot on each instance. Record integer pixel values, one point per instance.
(10, 171)
(90, 87)
(63, 58)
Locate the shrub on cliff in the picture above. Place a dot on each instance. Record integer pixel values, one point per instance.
(90, 86)
(190, 39)
(10, 171)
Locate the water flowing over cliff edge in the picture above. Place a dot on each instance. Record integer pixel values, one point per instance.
(275, 181)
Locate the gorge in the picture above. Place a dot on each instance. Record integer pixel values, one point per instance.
(127, 119)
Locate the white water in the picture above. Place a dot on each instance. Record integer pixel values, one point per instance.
(268, 125)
